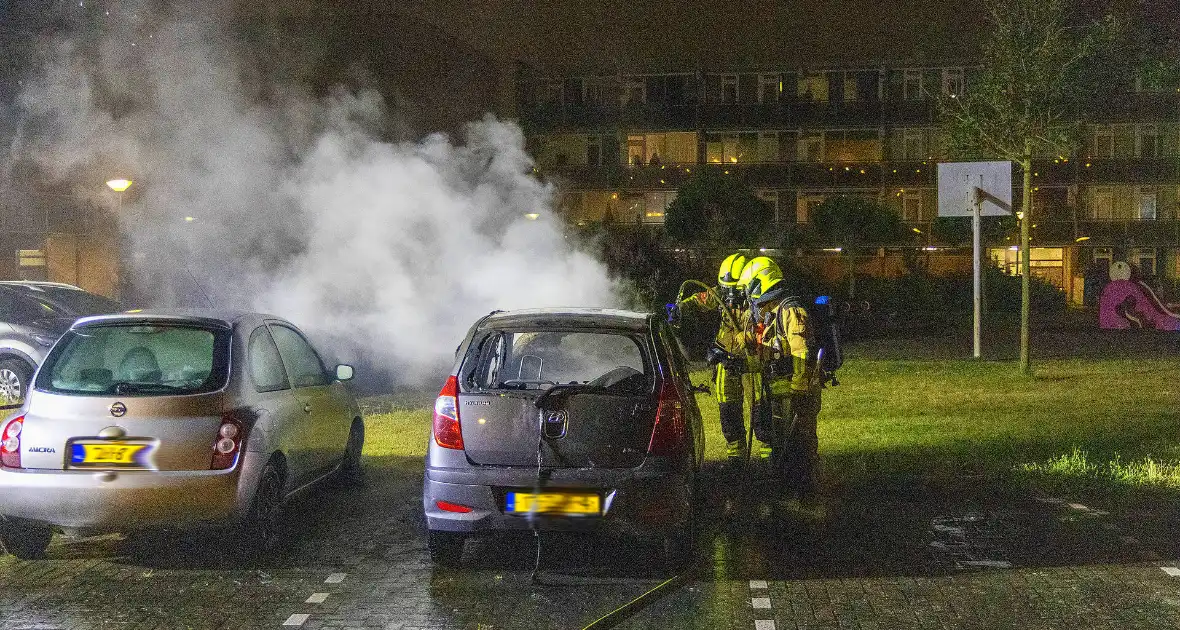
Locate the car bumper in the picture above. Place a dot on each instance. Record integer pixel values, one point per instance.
(89, 501)
(635, 502)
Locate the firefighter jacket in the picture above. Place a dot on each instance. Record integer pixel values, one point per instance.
(784, 344)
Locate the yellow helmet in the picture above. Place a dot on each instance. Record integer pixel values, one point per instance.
(731, 270)
(753, 267)
(765, 285)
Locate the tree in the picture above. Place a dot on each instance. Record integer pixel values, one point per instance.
(852, 223)
(718, 212)
(1039, 72)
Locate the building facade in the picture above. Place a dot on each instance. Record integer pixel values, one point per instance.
(620, 145)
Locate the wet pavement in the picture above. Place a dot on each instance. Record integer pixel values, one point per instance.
(896, 554)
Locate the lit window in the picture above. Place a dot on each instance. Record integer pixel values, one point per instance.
(1147, 204)
(1103, 204)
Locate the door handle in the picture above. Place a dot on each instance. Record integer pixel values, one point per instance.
(306, 408)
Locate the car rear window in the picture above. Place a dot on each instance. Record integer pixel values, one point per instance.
(539, 359)
(144, 359)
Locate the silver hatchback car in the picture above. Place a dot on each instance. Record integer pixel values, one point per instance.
(565, 420)
(171, 421)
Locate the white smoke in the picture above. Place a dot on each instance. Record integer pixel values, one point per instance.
(293, 205)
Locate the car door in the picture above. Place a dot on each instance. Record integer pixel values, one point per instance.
(286, 425)
(311, 384)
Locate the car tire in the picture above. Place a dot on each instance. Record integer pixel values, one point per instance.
(15, 375)
(446, 548)
(27, 542)
(351, 471)
(260, 529)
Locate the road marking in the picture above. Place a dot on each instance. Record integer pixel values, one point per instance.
(296, 620)
(335, 578)
(764, 624)
(761, 602)
(1079, 507)
(1172, 571)
(316, 598)
(758, 584)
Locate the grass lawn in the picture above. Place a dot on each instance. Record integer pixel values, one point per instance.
(1087, 424)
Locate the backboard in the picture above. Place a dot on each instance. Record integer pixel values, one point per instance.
(957, 179)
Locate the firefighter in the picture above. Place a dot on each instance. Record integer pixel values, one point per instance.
(787, 349)
(727, 352)
(760, 426)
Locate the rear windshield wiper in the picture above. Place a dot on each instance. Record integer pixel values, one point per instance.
(143, 388)
(566, 388)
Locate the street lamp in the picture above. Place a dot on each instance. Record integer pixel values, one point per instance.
(119, 185)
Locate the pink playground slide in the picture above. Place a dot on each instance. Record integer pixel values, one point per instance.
(1127, 303)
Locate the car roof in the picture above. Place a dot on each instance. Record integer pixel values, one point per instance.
(36, 285)
(568, 316)
(222, 318)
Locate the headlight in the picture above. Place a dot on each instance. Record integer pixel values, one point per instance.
(45, 340)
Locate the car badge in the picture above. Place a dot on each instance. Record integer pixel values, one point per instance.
(555, 424)
(118, 410)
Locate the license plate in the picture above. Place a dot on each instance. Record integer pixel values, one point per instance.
(95, 453)
(553, 503)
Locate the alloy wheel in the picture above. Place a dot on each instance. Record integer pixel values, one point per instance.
(11, 388)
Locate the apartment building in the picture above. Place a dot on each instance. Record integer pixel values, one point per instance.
(620, 145)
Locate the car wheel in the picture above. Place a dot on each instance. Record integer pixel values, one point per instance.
(261, 527)
(14, 381)
(27, 542)
(446, 548)
(352, 472)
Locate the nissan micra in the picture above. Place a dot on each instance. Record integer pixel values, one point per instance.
(172, 421)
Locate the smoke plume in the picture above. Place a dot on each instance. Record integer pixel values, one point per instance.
(267, 198)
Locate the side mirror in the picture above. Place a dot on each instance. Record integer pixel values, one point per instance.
(344, 372)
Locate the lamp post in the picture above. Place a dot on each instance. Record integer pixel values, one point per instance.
(119, 185)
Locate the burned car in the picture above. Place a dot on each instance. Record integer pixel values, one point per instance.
(564, 420)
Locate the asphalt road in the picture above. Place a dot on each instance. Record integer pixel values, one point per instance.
(901, 554)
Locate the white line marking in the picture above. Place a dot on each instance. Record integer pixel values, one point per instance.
(296, 620)
(316, 598)
(335, 578)
(1079, 507)
(1172, 571)
(764, 624)
(761, 602)
(1051, 500)
(758, 584)
(990, 564)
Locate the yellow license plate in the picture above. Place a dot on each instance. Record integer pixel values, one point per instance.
(106, 453)
(553, 503)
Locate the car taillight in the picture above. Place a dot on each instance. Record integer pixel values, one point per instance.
(10, 442)
(228, 442)
(447, 432)
(669, 436)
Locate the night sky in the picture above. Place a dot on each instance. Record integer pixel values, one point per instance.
(638, 35)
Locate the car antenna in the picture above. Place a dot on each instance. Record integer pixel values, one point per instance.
(200, 289)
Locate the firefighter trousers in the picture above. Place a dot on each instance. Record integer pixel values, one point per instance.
(795, 445)
(737, 392)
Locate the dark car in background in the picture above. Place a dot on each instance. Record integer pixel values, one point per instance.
(565, 420)
(32, 316)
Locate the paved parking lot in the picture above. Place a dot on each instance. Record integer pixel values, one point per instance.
(905, 556)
